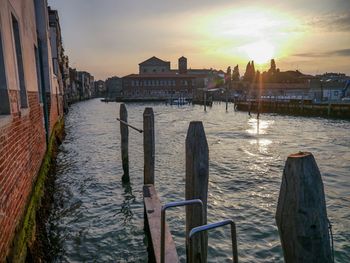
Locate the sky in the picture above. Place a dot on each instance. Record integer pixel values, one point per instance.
(111, 37)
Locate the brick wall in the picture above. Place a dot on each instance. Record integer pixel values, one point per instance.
(22, 148)
(55, 108)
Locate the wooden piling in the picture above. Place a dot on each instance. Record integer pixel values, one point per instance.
(301, 214)
(124, 132)
(197, 175)
(226, 99)
(148, 145)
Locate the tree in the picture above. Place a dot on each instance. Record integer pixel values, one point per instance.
(272, 66)
(249, 72)
(228, 75)
(235, 73)
(257, 76)
(252, 69)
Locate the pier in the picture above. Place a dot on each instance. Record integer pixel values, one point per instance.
(298, 108)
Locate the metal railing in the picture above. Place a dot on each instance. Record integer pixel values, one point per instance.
(163, 219)
(207, 227)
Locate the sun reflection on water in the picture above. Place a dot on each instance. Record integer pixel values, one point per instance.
(261, 144)
(258, 126)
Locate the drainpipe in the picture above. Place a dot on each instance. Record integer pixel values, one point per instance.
(43, 93)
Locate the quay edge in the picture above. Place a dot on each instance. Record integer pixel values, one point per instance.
(339, 111)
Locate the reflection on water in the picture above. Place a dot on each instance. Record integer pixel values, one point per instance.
(97, 218)
(259, 126)
(129, 199)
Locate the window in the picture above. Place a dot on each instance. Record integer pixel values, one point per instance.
(17, 39)
(4, 97)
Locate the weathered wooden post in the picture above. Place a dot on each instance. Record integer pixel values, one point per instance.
(124, 132)
(301, 214)
(329, 108)
(148, 146)
(197, 175)
(226, 93)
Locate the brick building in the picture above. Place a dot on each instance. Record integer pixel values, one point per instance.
(30, 108)
(160, 86)
(156, 80)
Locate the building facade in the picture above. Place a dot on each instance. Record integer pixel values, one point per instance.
(156, 80)
(100, 88)
(161, 86)
(154, 65)
(31, 106)
(114, 87)
(85, 85)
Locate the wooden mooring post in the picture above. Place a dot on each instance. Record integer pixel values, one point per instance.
(148, 145)
(152, 204)
(124, 132)
(301, 214)
(197, 175)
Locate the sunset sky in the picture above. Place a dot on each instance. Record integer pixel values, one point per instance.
(110, 37)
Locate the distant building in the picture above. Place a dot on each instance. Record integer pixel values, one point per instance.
(154, 65)
(85, 85)
(100, 88)
(57, 51)
(182, 65)
(73, 89)
(159, 86)
(335, 90)
(156, 80)
(281, 91)
(114, 87)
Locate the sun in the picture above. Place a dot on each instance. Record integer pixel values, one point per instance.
(260, 51)
(244, 33)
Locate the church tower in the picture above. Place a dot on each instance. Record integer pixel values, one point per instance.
(182, 65)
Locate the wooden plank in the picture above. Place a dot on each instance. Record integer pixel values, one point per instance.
(197, 176)
(301, 214)
(124, 132)
(148, 145)
(153, 214)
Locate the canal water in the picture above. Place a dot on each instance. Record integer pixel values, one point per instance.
(97, 218)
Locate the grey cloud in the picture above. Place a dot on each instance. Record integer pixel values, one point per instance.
(339, 22)
(339, 52)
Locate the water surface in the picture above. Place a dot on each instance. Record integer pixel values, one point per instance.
(96, 218)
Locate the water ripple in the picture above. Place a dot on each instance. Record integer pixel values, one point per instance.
(97, 218)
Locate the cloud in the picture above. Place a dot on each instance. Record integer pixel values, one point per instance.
(339, 52)
(339, 22)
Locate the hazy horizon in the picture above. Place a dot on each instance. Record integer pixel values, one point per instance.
(109, 38)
